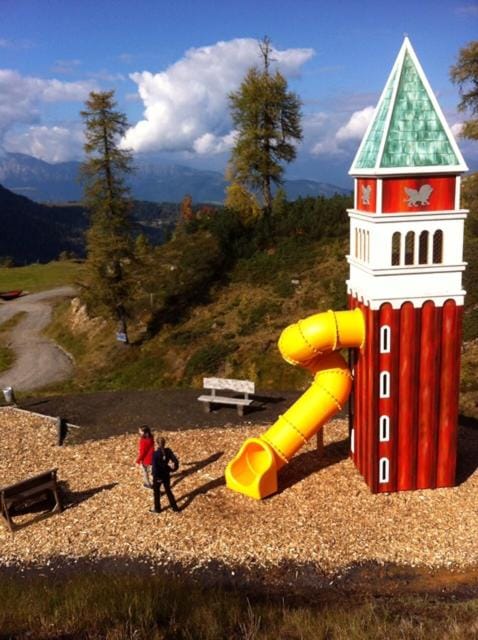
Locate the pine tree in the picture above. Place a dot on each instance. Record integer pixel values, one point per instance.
(267, 118)
(109, 244)
(465, 74)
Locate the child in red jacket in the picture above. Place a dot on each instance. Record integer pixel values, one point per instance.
(145, 454)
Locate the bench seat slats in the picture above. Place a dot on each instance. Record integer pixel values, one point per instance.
(245, 387)
(226, 400)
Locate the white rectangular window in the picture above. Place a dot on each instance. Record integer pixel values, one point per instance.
(384, 429)
(385, 339)
(385, 384)
(383, 470)
(352, 441)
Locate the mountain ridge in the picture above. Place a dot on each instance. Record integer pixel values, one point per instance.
(152, 180)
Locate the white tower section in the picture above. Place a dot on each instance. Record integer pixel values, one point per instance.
(406, 227)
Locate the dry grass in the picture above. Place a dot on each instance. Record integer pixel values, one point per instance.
(324, 514)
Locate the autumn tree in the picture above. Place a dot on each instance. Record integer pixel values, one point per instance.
(267, 118)
(186, 213)
(465, 74)
(109, 244)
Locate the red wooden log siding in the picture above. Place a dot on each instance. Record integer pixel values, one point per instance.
(430, 339)
(409, 330)
(367, 182)
(386, 404)
(372, 349)
(395, 199)
(449, 385)
(361, 407)
(394, 390)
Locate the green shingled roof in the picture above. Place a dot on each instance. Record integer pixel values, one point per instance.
(408, 129)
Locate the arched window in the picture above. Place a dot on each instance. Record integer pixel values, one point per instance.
(438, 247)
(423, 248)
(385, 384)
(384, 429)
(395, 249)
(409, 247)
(383, 470)
(356, 242)
(367, 257)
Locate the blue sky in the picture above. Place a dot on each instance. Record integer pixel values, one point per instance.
(172, 65)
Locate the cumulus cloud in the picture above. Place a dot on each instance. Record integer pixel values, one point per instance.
(338, 139)
(186, 106)
(51, 144)
(356, 126)
(21, 101)
(21, 96)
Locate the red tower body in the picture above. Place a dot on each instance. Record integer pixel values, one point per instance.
(406, 265)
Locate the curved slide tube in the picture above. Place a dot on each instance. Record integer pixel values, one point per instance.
(310, 343)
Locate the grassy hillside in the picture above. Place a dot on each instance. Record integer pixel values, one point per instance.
(232, 333)
(40, 277)
(229, 327)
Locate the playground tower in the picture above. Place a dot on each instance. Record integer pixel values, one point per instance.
(406, 265)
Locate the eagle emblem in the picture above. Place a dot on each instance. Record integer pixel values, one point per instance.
(366, 191)
(418, 196)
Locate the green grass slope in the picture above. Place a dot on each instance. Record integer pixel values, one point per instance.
(40, 277)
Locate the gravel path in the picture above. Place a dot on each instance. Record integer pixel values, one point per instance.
(39, 361)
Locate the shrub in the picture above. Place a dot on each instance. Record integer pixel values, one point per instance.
(207, 359)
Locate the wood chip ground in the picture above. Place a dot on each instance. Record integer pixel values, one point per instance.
(324, 513)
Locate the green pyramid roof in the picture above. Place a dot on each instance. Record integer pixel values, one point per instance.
(408, 133)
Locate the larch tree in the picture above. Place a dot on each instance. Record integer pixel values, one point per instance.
(267, 118)
(465, 74)
(109, 243)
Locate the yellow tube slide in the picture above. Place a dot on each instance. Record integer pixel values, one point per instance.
(310, 343)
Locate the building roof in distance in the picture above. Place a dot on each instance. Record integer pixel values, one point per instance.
(408, 132)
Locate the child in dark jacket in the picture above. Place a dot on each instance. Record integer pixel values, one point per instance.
(163, 457)
(145, 454)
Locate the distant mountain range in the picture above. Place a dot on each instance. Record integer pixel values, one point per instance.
(153, 181)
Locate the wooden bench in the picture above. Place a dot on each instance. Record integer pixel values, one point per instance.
(246, 387)
(37, 490)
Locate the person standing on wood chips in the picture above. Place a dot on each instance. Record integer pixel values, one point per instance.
(145, 453)
(163, 457)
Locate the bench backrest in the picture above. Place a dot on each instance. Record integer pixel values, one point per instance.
(243, 386)
(30, 483)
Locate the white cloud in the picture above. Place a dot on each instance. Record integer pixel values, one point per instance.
(21, 96)
(338, 138)
(356, 126)
(22, 99)
(186, 106)
(51, 144)
(211, 144)
(457, 128)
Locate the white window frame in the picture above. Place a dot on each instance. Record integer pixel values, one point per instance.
(383, 470)
(384, 429)
(385, 338)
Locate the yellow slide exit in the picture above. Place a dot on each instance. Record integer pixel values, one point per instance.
(312, 344)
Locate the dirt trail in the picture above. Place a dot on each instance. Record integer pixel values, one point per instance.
(39, 361)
